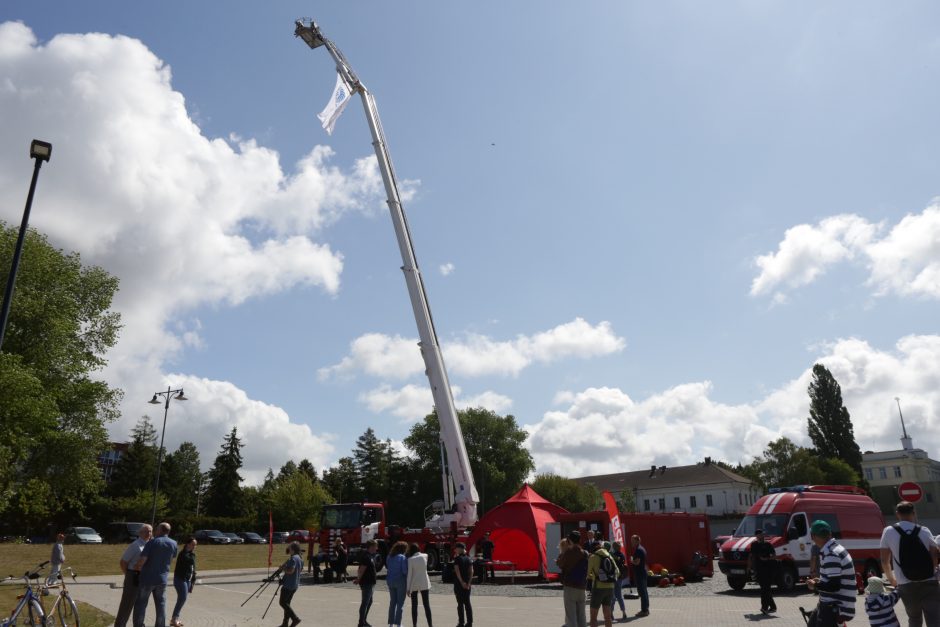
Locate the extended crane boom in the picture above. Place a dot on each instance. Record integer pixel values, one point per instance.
(460, 492)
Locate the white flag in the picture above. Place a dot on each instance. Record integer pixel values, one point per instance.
(334, 108)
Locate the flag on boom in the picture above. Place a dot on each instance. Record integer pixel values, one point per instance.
(334, 108)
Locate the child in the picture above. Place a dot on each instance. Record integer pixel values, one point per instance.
(879, 604)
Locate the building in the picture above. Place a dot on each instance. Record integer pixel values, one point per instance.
(885, 471)
(703, 488)
(109, 459)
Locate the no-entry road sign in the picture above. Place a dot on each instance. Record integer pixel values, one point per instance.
(910, 491)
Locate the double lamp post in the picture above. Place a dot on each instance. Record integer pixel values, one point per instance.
(170, 393)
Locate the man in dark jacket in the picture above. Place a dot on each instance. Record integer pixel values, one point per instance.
(573, 563)
(764, 562)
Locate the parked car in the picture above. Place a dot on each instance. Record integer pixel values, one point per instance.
(250, 537)
(298, 535)
(280, 537)
(211, 536)
(122, 532)
(233, 537)
(82, 535)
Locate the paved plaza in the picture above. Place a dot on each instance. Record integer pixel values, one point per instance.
(217, 601)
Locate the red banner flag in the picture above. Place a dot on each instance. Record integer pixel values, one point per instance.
(270, 537)
(614, 513)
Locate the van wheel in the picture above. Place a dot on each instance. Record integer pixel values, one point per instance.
(737, 583)
(434, 561)
(787, 579)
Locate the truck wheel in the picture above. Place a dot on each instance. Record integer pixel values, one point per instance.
(787, 579)
(434, 561)
(737, 583)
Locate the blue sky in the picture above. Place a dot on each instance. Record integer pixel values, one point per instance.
(604, 178)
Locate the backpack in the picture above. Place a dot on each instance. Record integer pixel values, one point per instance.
(608, 570)
(913, 557)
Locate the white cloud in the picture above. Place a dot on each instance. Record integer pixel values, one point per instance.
(413, 402)
(182, 219)
(603, 430)
(905, 261)
(446, 268)
(476, 355)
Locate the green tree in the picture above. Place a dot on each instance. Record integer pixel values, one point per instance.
(287, 470)
(297, 501)
(371, 457)
(53, 411)
(224, 494)
(137, 467)
(181, 479)
(830, 426)
(342, 481)
(307, 468)
(783, 463)
(626, 501)
(568, 493)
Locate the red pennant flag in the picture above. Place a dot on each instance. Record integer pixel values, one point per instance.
(270, 537)
(614, 513)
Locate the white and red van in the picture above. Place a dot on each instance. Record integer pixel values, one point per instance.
(785, 515)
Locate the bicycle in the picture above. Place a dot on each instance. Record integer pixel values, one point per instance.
(29, 601)
(64, 612)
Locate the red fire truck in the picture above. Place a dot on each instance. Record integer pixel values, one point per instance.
(785, 515)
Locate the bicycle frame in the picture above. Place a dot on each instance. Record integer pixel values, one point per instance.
(30, 601)
(63, 608)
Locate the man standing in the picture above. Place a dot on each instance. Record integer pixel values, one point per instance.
(128, 565)
(463, 571)
(602, 571)
(366, 581)
(487, 547)
(154, 567)
(640, 574)
(290, 581)
(57, 559)
(836, 581)
(573, 564)
(909, 557)
(764, 562)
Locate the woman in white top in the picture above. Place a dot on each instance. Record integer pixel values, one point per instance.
(418, 581)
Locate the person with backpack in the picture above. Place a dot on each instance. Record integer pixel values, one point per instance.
(909, 557)
(573, 563)
(602, 572)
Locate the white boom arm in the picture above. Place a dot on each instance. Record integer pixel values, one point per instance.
(460, 492)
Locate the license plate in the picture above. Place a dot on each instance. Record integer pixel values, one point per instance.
(737, 571)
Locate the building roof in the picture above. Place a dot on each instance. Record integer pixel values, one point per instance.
(671, 477)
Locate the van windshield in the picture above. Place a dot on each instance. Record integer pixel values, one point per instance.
(772, 524)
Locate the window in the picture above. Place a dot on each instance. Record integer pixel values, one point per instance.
(798, 522)
(869, 474)
(708, 500)
(882, 473)
(897, 471)
(831, 519)
(692, 502)
(662, 503)
(675, 502)
(646, 505)
(740, 499)
(929, 497)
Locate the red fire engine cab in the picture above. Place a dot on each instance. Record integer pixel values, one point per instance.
(785, 515)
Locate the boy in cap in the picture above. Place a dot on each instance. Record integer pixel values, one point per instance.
(836, 581)
(879, 604)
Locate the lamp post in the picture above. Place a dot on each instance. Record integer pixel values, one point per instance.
(40, 151)
(166, 408)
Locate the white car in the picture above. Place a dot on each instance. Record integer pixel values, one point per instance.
(82, 535)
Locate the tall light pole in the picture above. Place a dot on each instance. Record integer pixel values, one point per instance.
(40, 151)
(166, 408)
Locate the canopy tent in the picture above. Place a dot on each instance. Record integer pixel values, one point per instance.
(517, 529)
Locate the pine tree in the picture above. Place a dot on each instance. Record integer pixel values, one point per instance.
(135, 470)
(372, 460)
(181, 478)
(306, 467)
(342, 481)
(830, 426)
(224, 495)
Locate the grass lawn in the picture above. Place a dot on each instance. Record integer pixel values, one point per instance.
(90, 616)
(102, 559)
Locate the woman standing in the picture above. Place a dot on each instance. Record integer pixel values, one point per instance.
(620, 559)
(396, 579)
(340, 561)
(184, 578)
(418, 581)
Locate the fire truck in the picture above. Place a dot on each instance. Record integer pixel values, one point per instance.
(785, 516)
(448, 519)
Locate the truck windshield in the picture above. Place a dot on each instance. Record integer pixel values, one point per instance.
(772, 524)
(341, 517)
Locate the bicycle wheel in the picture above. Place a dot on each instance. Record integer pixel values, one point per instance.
(66, 614)
(31, 616)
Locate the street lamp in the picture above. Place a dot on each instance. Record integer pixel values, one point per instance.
(40, 151)
(166, 408)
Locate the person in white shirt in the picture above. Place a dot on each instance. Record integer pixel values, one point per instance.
(920, 593)
(418, 581)
(128, 564)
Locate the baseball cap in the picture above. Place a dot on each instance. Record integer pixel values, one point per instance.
(820, 527)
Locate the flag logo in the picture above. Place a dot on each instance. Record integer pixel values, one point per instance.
(335, 106)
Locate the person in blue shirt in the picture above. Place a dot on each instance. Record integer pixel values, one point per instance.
(639, 574)
(397, 580)
(290, 581)
(154, 569)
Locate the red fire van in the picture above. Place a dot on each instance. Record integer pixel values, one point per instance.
(785, 515)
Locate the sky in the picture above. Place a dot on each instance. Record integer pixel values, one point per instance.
(639, 224)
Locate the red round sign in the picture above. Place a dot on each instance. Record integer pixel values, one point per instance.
(910, 491)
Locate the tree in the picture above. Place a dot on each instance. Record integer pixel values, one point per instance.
(137, 467)
(286, 470)
(371, 457)
(182, 478)
(568, 493)
(626, 502)
(830, 426)
(307, 468)
(223, 496)
(297, 501)
(53, 411)
(342, 481)
(783, 463)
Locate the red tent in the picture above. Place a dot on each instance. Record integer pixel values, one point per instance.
(517, 528)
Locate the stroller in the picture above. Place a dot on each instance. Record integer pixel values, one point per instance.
(813, 618)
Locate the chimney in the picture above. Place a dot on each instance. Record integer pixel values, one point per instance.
(708, 461)
(653, 470)
(662, 470)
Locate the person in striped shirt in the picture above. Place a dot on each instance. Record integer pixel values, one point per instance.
(836, 581)
(879, 604)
